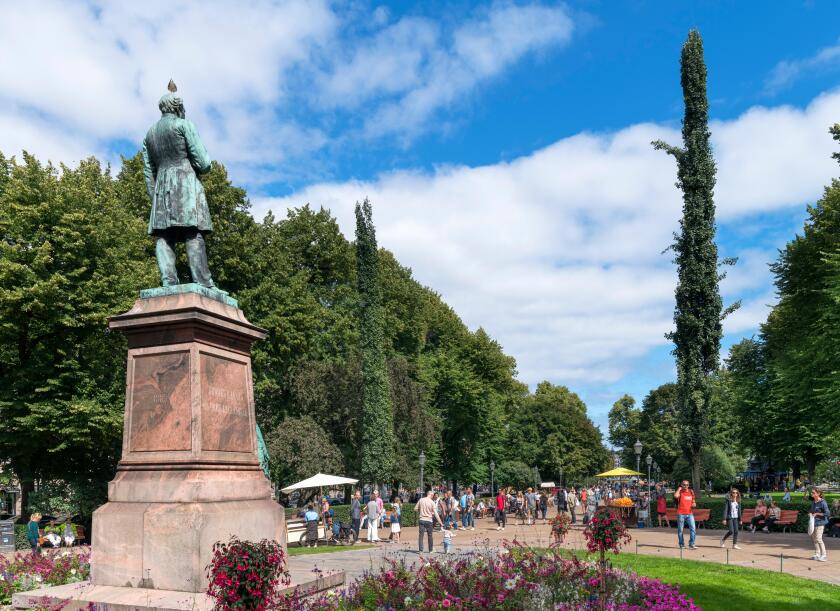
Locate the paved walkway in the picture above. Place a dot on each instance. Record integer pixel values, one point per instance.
(787, 552)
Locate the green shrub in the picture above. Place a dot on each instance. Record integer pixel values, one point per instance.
(21, 542)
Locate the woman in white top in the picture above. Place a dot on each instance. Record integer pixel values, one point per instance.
(732, 517)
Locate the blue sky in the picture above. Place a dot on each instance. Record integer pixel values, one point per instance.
(504, 144)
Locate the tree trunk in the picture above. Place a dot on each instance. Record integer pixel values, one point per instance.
(797, 470)
(696, 463)
(27, 486)
(811, 463)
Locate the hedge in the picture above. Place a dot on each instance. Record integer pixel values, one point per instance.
(21, 542)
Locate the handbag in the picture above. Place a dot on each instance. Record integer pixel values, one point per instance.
(811, 524)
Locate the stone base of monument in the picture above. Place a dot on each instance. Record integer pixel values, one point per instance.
(190, 474)
(76, 596)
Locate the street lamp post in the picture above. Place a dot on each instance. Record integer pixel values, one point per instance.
(649, 461)
(560, 473)
(637, 448)
(536, 478)
(492, 478)
(422, 461)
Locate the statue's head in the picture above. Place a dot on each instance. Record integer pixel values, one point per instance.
(170, 103)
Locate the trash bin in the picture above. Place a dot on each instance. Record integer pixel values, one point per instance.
(7, 535)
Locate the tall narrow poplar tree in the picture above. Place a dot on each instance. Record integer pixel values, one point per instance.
(377, 414)
(699, 309)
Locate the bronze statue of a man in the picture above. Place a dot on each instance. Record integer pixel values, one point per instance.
(173, 156)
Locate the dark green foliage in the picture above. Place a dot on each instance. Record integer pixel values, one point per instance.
(699, 309)
(550, 430)
(70, 256)
(300, 448)
(74, 251)
(377, 413)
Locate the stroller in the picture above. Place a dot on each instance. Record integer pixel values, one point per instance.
(342, 534)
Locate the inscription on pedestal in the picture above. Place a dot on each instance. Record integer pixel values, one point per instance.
(160, 403)
(224, 398)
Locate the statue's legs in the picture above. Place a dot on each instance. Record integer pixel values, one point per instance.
(165, 253)
(197, 255)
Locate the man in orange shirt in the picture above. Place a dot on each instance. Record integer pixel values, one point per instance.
(685, 503)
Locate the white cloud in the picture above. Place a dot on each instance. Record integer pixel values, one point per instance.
(558, 253)
(83, 75)
(434, 71)
(786, 72)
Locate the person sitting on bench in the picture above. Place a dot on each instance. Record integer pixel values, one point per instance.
(773, 514)
(759, 516)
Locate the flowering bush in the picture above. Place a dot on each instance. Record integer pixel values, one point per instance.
(560, 525)
(605, 532)
(522, 578)
(26, 572)
(246, 575)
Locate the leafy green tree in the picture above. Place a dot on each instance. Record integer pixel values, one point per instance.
(660, 434)
(624, 428)
(552, 432)
(699, 309)
(71, 255)
(377, 412)
(300, 448)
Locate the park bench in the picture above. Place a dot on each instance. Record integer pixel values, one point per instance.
(80, 536)
(787, 519)
(701, 516)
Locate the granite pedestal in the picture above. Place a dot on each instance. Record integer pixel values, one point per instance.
(189, 474)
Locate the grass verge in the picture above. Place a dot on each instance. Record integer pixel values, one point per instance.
(325, 549)
(718, 587)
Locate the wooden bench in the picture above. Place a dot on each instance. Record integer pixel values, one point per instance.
(787, 519)
(701, 516)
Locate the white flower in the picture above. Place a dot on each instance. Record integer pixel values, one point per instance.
(38, 578)
(407, 601)
(72, 571)
(510, 584)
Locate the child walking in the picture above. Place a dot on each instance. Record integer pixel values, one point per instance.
(447, 540)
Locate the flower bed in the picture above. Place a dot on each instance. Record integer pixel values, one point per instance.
(26, 572)
(521, 578)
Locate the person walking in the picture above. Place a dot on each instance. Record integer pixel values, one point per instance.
(426, 516)
(662, 506)
(380, 508)
(732, 517)
(373, 518)
(820, 512)
(33, 535)
(396, 518)
(591, 507)
(686, 501)
(560, 501)
(572, 502)
(544, 506)
(449, 518)
(356, 513)
(501, 518)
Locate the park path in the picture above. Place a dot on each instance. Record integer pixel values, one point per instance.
(786, 552)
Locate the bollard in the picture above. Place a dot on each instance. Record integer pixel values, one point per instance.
(781, 563)
(727, 556)
(681, 551)
(637, 547)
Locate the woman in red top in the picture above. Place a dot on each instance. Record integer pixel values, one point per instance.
(501, 518)
(661, 506)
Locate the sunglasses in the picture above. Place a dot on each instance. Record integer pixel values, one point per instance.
(685, 485)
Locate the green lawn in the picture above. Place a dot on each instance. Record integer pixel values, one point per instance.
(325, 549)
(801, 496)
(718, 587)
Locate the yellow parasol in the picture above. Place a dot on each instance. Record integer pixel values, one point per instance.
(620, 472)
